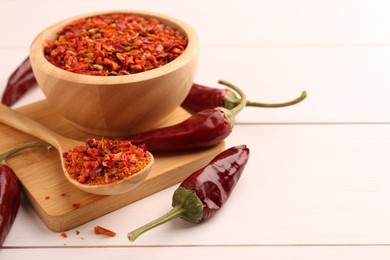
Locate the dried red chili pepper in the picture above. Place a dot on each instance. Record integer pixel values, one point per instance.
(203, 129)
(20, 81)
(205, 191)
(10, 191)
(9, 200)
(201, 97)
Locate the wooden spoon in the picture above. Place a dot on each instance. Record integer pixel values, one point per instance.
(27, 125)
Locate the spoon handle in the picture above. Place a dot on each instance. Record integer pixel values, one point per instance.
(27, 125)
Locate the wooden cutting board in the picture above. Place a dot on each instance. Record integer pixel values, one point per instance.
(61, 205)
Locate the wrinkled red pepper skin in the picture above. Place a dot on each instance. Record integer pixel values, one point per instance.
(9, 200)
(205, 191)
(214, 183)
(201, 97)
(20, 81)
(204, 129)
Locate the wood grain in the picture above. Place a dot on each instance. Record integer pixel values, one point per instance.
(62, 206)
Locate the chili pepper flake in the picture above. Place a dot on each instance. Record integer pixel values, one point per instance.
(103, 231)
(105, 161)
(76, 205)
(114, 44)
(63, 234)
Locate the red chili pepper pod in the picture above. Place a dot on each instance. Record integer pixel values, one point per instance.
(214, 183)
(203, 129)
(10, 192)
(201, 97)
(9, 200)
(205, 191)
(20, 81)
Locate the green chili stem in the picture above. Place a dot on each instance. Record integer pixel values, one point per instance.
(176, 212)
(275, 105)
(243, 100)
(3, 156)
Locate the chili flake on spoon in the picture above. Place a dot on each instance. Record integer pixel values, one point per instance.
(105, 161)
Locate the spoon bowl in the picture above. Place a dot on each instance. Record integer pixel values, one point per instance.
(27, 125)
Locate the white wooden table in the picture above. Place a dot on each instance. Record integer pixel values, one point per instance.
(317, 185)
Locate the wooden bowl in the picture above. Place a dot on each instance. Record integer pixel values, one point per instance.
(117, 105)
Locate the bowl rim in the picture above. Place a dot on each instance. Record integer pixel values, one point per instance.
(38, 60)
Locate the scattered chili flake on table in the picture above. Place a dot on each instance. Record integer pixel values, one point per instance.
(103, 231)
(105, 161)
(114, 44)
(63, 234)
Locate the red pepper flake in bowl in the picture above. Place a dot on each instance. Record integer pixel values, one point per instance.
(114, 44)
(105, 161)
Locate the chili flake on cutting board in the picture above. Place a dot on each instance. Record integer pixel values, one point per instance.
(114, 44)
(105, 161)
